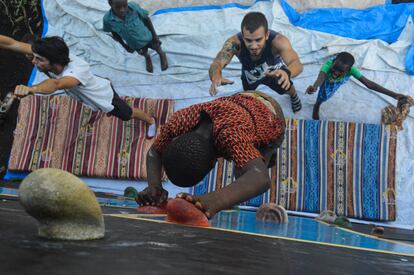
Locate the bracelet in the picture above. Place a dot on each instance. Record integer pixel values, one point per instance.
(284, 68)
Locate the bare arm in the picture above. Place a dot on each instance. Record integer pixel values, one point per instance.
(119, 39)
(47, 87)
(154, 168)
(231, 47)
(376, 87)
(9, 43)
(281, 45)
(253, 180)
(319, 80)
(154, 194)
(150, 26)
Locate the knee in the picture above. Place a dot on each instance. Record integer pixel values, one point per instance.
(126, 115)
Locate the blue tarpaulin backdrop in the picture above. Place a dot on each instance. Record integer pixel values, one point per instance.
(384, 22)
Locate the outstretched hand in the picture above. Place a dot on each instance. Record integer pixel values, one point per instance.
(218, 82)
(152, 196)
(281, 76)
(22, 91)
(310, 90)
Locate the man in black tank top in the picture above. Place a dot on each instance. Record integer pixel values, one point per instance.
(267, 58)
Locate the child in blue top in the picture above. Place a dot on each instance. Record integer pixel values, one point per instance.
(131, 26)
(336, 72)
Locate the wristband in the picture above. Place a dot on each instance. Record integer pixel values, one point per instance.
(284, 68)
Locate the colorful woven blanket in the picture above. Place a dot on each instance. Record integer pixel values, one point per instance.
(348, 168)
(59, 132)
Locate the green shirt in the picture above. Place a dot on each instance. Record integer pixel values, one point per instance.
(326, 68)
(132, 29)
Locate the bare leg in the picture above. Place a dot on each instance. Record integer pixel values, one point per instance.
(163, 58)
(315, 113)
(252, 181)
(140, 114)
(148, 61)
(295, 100)
(151, 126)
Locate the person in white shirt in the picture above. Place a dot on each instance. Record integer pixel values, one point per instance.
(51, 56)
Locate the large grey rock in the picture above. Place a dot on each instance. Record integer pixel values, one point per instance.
(64, 206)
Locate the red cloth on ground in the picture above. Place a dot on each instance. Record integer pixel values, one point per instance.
(241, 124)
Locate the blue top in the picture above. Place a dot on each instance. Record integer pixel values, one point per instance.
(253, 71)
(132, 29)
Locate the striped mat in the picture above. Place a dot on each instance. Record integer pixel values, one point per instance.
(345, 167)
(59, 132)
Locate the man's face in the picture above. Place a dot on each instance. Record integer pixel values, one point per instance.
(255, 41)
(339, 69)
(41, 63)
(119, 7)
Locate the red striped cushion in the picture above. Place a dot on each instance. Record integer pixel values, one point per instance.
(59, 132)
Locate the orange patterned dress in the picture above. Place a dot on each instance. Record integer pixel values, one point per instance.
(241, 125)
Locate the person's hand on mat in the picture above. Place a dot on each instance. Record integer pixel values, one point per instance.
(281, 75)
(152, 196)
(22, 91)
(310, 90)
(218, 82)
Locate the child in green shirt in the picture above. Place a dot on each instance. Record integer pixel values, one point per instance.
(336, 72)
(131, 26)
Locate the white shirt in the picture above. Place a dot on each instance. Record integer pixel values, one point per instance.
(94, 91)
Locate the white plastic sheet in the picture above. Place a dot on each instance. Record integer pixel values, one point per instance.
(192, 38)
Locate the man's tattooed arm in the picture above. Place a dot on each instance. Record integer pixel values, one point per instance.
(231, 47)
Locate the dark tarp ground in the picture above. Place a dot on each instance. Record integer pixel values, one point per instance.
(144, 247)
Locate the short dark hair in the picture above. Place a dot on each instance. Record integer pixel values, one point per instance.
(254, 20)
(110, 2)
(345, 58)
(53, 48)
(188, 159)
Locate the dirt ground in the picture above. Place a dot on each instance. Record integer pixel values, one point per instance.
(14, 68)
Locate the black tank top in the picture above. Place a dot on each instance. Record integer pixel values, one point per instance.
(253, 71)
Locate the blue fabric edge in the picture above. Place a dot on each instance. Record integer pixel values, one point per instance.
(206, 7)
(10, 175)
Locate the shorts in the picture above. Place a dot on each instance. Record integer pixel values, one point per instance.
(328, 89)
(121, 109)
(268, 81)
(151, 45)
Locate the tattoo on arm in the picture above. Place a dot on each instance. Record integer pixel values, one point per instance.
(229, 49)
